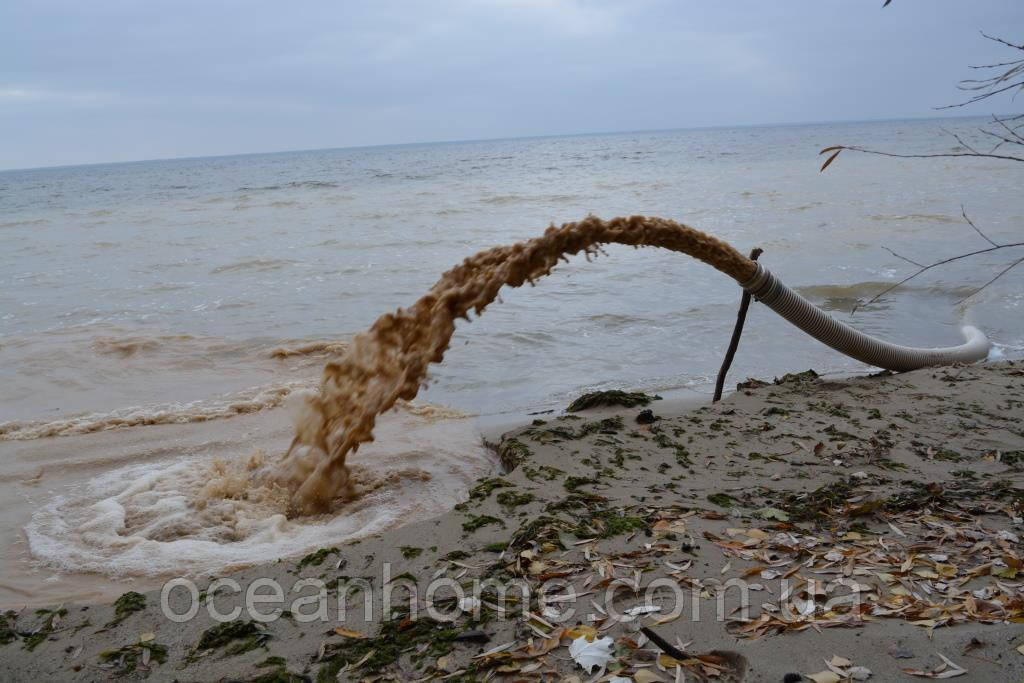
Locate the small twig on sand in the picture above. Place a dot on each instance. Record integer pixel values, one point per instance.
(667, 647)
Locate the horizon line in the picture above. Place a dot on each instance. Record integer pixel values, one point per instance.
(490, 139)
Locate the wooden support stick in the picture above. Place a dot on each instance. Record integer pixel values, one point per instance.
(734, 343)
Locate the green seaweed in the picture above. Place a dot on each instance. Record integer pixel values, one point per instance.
(721, 499)
(411, 552)
(797, 377)
(538, 529)
(480, 521)
(615, 397)
(484, 487)
(577, 500)
(425, 638)
(835, 409)
(7, 633)
(126, 605)
(33, 639)
(512, 453)
(681, 453)
(819, 504)
(1013, 459)
(235, 637)
(513, 499)
(608, 425)
(127, 659)
(317, 558)
(544, 472)
(609, 523)
(573, 483)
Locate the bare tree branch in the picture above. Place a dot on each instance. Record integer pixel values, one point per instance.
(1004, 42)
(864, 150)
(994, 84)
(1001, 273)
(901, 256)
(983, 96)
(1009, 75)
(924, 269)
(1002, 77)
(1011, 131)
(1002, 140)
(963, 212)
(960, 141)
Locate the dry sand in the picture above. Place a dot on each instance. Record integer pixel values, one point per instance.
(904, 487)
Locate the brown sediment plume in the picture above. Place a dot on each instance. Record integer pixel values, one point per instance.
(389, 361)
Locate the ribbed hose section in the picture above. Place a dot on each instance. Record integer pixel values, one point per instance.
(767, 289)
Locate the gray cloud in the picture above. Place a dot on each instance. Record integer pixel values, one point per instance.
(114, 80)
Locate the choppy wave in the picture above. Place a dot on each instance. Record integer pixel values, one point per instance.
(526, 199)
(254, 264)
(129, 346)
(315, 184)
(925, 217)
(866, 290)
(17, 224)
(314, 348)
(617, 321)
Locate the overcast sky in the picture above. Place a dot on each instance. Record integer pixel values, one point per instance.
(104, 80)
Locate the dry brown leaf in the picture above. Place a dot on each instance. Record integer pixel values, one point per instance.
(647, 676)
(945, 670)
(825, 677)
(348, 633)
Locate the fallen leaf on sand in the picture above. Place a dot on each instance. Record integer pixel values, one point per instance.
(348, 633)
(945, 670)
(825, 677)
(647, 676)
(772, 513)
(580, 631)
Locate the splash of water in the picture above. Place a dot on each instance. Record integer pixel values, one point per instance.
(389, 361)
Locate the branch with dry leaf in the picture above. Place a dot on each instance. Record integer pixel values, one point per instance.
(1007, 134)
(1004, 131)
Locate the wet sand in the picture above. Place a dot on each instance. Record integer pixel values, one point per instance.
(905, 489)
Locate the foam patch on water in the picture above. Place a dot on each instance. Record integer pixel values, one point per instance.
(195, 516)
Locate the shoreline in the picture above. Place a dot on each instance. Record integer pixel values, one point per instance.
(907, 487)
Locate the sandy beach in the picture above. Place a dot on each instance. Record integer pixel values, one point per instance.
(808, 526)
